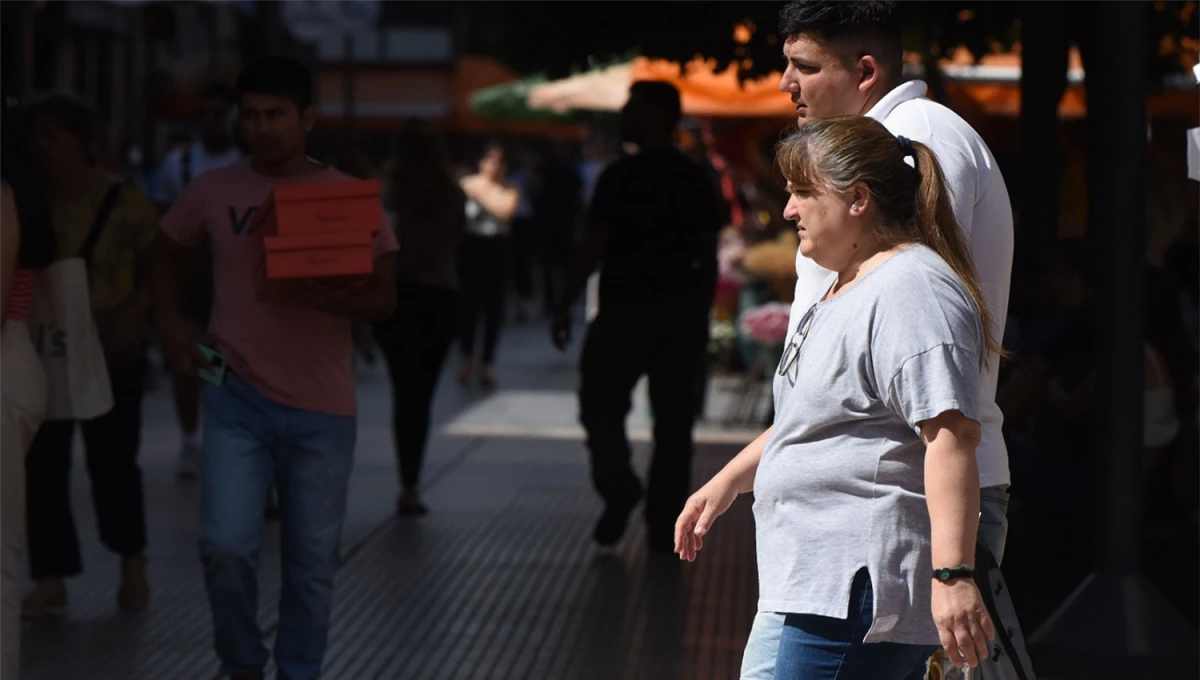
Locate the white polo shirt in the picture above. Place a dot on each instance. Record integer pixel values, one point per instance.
(984, 212)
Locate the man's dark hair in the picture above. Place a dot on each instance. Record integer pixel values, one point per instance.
(278, 76)
(868, 25)
(659, 95)
(654, 108)
(219, 91)
(69, 113)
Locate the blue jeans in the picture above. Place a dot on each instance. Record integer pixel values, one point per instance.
(758, 660)
(822, 648)
(251, 442)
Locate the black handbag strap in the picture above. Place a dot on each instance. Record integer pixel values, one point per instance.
(985, 562)
(99, 221)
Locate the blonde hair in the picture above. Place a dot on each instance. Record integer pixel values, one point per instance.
(836, 154)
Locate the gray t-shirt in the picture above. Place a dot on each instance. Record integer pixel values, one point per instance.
(841, 484)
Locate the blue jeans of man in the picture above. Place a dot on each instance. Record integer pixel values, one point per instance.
(758, 660)
(251, 442)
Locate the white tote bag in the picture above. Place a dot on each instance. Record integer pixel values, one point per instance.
(65, 335)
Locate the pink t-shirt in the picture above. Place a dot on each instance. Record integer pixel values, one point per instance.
(295, 355)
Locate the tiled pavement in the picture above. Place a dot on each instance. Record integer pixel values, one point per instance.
(500, 581)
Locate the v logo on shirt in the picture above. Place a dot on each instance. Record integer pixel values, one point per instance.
(238, 224)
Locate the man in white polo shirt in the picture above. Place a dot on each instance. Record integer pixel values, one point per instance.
(844, 58)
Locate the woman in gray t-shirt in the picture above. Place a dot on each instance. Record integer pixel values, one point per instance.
(866, 483)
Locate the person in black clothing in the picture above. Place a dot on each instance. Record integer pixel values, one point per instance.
(430, 219)
(652, 226)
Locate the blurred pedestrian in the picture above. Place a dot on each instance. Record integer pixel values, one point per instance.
(26, 247)
(483, 261)
(90, 206)
(652, 229)
(429, 212)
(284, 414)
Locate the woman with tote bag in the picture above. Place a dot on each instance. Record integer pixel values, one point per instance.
(103, 230)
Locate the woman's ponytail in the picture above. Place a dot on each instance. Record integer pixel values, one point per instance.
(939, 230)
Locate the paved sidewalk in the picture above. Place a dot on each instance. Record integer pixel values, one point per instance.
(500, 581)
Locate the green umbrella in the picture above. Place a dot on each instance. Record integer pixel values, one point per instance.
(507, 101)
(510, 101)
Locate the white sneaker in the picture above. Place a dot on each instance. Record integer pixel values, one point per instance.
(188, 467)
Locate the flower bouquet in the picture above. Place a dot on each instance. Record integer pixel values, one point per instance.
(767, 324)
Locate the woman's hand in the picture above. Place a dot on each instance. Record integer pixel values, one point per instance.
(962, 621)
(700, 511)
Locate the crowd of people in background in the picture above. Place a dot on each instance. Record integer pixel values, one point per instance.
(483, 233)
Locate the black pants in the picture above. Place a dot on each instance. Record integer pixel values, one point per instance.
(111, 443)
(664, 342)
(483, 270)
(414, 342)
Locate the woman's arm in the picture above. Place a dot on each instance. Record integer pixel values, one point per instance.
(10, 246)
(952, 494)
(739, 472)
(499, 200)
(952, 486)
(715, 498)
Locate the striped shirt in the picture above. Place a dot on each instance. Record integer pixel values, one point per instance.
(21, 297)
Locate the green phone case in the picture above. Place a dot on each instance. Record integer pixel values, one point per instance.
(215, 376)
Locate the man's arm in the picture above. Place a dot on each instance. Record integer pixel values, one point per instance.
(171, 263)
(604, 212)
(584, 260)
(374, 300)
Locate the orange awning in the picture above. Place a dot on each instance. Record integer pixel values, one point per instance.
(704, 92)
(991, 87)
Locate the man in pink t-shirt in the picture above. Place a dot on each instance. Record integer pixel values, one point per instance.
(286, 412)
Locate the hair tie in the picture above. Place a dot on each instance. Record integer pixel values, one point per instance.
(907, 150)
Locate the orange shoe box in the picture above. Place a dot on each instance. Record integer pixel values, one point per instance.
(346, 253)
(321, 231)
(320, 208)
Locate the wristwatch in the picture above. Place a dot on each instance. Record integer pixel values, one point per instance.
(946, 575)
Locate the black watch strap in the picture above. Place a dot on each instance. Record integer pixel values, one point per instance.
(949, 574)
